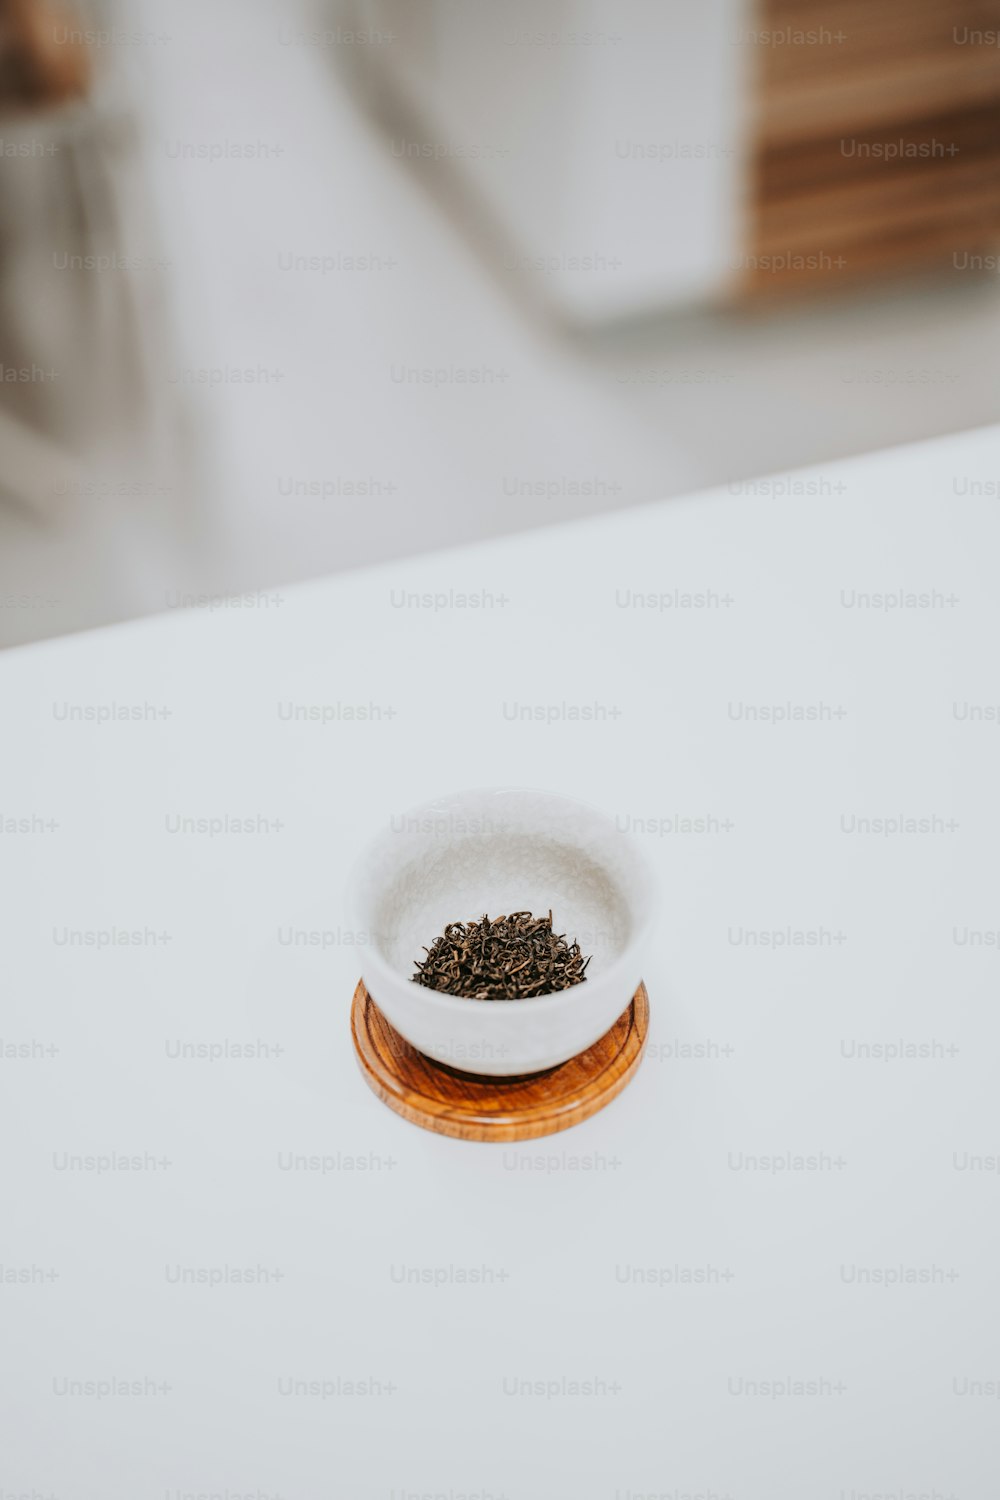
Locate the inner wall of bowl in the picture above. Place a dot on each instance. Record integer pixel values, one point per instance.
(498, 874)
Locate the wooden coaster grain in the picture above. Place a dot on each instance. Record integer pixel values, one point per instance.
(475, 1108)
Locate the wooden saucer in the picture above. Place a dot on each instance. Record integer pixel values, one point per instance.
(475, 1108)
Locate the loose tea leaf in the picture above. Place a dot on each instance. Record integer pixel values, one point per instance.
(508, 958)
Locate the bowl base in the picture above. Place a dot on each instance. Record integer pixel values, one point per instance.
(473, 1107)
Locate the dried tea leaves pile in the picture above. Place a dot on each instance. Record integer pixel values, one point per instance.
(508, 958)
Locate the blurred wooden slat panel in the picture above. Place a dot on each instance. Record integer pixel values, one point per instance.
(840, 53)
(878, 94)
(878, 140)
(851, 32)
(940, 150)
(921, 248)
(850, 219)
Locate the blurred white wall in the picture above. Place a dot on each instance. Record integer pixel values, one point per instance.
(604, 145)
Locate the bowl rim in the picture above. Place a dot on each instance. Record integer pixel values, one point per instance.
(460, 1003)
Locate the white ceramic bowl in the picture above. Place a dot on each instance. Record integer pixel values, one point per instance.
(494, 851)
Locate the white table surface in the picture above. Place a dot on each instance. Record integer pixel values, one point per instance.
(532, 1253)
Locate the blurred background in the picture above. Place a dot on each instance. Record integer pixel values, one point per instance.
(293, 286)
